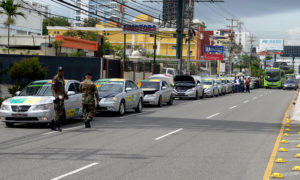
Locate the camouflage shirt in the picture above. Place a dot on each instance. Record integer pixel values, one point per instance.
(58, 86)
(89, 92)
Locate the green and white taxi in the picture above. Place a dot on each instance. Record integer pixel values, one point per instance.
(156, 92)
(210, 87)
(119, 95)
(34, 104)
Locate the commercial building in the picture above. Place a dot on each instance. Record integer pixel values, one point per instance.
(166, 39)
(244, 38)
(34, 12)
(222, 37)
(80, 15)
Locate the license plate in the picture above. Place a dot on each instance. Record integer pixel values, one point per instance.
(19, 115)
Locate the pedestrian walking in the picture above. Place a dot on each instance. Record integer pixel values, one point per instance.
(248, 85)
(237, 84)
(59, 93)
(89, 94)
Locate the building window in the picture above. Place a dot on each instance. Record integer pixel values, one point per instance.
(77, 18)
(78, 12)
(174, 47)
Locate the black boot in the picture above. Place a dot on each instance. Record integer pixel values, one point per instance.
(87, 123)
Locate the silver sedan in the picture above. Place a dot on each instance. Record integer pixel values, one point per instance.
(119, 95)
(156, 92)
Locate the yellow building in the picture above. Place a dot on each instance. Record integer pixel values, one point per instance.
(166, 39)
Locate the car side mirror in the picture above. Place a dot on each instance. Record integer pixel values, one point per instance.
(70, 93)
(128, 89)
(18, 93)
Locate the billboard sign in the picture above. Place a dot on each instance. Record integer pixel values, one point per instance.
(219, 57)
(140, 29)
(214, 49)
(271, 45)
(291, 51)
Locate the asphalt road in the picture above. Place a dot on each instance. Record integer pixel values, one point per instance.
(226, 138)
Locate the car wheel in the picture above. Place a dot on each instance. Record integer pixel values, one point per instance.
(9, 124)
(171, 100)
(122, 108)
(139, 107)
(196, 96)
(201, 97)
(159, 102)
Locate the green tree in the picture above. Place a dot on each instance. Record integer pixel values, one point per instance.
(244, 62)
(25, 71)
(89, 35)
(10, 9)
(90, 22)
(54, 21)
(256, 69)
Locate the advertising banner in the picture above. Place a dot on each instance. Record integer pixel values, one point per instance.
(271, 45)
(145, 28)
(214, 49)
(211, 57)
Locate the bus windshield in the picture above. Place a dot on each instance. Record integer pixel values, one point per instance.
(273, 75)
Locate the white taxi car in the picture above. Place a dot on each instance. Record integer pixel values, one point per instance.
(34, 104)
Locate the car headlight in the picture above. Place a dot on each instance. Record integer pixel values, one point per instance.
(110, 99)
(193, 89)
(5, 107)
(43, 107)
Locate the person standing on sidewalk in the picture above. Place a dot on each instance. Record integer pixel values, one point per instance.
(59, 93)
(248, 85)
(89, 94)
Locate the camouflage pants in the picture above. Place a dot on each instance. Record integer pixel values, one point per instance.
(89, 111)
(59, 109)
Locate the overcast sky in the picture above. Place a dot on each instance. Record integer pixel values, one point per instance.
(277, 19)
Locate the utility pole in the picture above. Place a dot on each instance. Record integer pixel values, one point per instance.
(154, 48)
(240, 23)
(231, 43)
(251, 53)
(179, 31)
(189, 37)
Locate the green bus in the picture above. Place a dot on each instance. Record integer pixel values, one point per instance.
(274, 77)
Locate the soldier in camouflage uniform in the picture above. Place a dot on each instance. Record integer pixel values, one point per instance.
(59, 93)
(89, 94)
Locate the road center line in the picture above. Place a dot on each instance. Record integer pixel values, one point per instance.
(233, 107)
(261, 95)
(131, 115)
(213, 115)
(170, 133)
(75, 171)
(254, 98)
(246, 101)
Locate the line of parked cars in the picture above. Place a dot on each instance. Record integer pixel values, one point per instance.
(34, 104)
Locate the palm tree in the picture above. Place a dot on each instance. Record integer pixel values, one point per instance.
(11, 11)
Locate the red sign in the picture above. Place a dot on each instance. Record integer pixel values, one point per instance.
(219, 57)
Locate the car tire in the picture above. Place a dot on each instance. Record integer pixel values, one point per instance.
(122, 108)
(9, 124)
(196, 96)
(139, 107)
(171, 100)
(159, 104)
(201, 97)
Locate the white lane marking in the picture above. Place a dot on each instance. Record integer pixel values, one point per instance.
(67, 129)
(261, 95)
(213, 115)
(233, 107)
(246, 101)
(170, 133)
(254, 98)
(75, 171)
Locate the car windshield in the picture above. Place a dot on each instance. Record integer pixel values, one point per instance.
(218, 82)
(207, 82)
(290, 81)
(224, 81)
(111, 87)
(273, 76)
(185, 84)
(37, 89)
(151, 85)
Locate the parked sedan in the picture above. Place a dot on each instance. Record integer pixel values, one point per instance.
(290, 84)
(221, 87)
(34, 104)
(186, 86)
(156, 92)
(119, 95)
(210, 87)
(228, 85)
